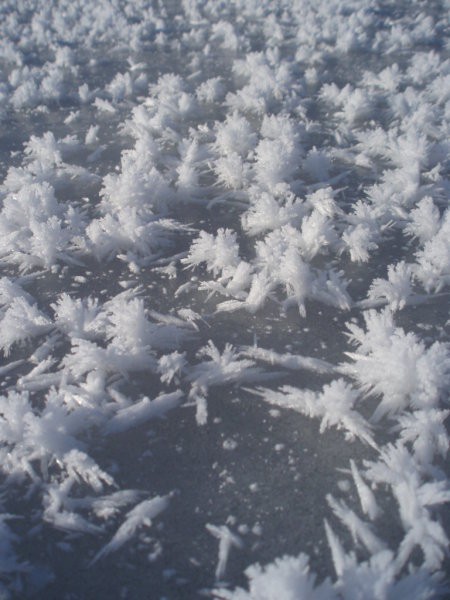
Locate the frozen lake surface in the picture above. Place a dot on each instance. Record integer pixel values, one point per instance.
(224, 309)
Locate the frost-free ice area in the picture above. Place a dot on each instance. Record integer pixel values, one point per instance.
(224, 299)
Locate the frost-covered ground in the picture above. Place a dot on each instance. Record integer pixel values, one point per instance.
(224, 325)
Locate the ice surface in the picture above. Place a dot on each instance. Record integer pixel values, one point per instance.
(224, 324)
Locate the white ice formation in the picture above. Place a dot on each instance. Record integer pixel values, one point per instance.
(225, 252)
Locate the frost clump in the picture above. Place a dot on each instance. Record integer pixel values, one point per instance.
(77, 317)
(287, 577)
(36, 230)
(398, 287)
(396, 366)
(142, 514)
(278, 154)
(20, 322)
(220, 253)
(433, 261)
(335, 406)
(218, 369)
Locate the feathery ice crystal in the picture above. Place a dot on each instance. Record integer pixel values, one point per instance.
(218, 221)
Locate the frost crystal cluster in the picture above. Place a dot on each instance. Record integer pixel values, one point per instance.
(224, 294)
